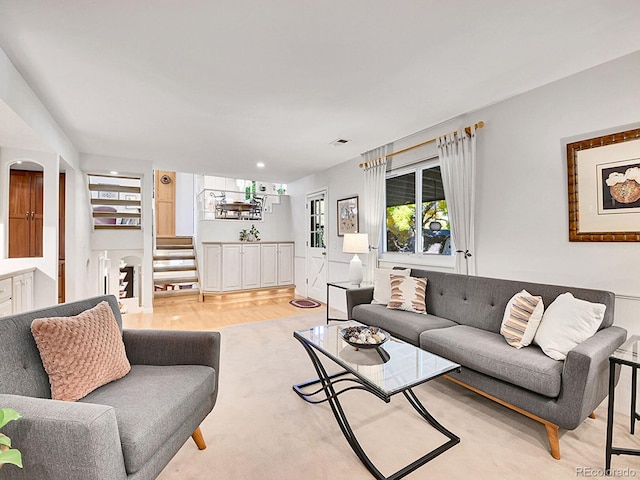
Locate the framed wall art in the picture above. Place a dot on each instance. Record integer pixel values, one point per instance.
(347, 215)
(604, 188)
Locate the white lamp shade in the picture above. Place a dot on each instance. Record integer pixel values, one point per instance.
(355, 243)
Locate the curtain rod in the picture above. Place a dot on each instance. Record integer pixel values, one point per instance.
(477, 126)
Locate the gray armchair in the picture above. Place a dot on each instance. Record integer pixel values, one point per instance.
(127, 429)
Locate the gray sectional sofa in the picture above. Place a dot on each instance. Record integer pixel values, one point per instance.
(127, 429)
(463, 324)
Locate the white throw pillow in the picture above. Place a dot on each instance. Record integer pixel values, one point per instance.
(382, 284)
(567, 322)
(408, 293)
(521, 319)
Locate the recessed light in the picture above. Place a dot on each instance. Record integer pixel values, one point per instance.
(260, 164)
(113, 172)
(19, 162)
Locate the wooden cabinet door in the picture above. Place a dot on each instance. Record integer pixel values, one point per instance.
(22, 297)
(27, 292)
(26, 209)
(37, 214)
(269, 265)
(16, 296)
(6, 308)
(19, 214)
(231, 267)
(285, 263)
(212, 264)
(251, 266)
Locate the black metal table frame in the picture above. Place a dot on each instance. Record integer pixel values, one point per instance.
(331, 395)
(610, 449)
(341, 287)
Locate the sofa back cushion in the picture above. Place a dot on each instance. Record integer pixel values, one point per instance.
(21, 369)
(480, 301)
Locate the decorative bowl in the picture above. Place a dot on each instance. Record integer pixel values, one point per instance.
(364, 337)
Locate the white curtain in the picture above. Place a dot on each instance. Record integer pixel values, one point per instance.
(457, 152)
(373, 205)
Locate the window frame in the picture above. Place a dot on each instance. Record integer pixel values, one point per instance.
(417, 256)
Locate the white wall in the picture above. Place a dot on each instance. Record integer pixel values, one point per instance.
(342, 181)
(522, 208)
(275, 226)
(185, 195)
(46, 277)
(124, 243)
(18, 96)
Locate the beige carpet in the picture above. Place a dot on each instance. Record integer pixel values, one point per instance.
(260, 429)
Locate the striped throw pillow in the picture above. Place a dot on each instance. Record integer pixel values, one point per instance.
(521, 319)
(408, 293)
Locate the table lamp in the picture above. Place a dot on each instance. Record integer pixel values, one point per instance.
(355, 243)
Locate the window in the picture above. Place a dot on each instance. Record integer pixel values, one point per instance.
(116, 201)
(316, 218)
(417, 219)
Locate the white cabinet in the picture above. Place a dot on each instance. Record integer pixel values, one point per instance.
(243, 266)
(285, 263)
(16, 293)
(22, 292)
(269, 265)
(6, 308)
(251, 266)
(212, 267)
(240, 266)
(6, 305)
(276, 264)
(231, 267)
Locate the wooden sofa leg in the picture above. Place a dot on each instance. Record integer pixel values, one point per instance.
(552, 429)
(199, 439)
(554, 442)
(592, 415)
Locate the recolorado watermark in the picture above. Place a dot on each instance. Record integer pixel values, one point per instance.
(590, 472)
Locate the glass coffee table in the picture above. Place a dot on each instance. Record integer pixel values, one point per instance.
(392, 368)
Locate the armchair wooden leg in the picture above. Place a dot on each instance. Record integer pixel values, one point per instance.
(554, 441)
(199, 439)
(592, 415)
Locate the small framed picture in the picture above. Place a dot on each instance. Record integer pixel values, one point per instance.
(347, 215)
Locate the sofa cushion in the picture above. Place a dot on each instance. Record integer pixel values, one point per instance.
(82, 352)
(567, 322)
(480, 302)
(151, 403)
(382, 284)
(406, 326)
(486, 352)
(407, 293)
(521, 319)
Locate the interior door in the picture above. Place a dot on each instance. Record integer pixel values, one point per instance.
(316, 246)
(165, 203)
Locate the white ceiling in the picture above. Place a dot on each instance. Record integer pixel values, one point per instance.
(214, 86)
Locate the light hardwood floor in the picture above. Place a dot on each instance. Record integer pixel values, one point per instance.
(191, 314)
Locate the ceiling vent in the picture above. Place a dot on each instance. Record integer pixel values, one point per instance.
(339, 141)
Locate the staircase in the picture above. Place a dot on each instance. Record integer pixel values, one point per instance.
(175, 272)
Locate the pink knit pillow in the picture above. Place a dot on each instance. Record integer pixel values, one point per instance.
(81, 353)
